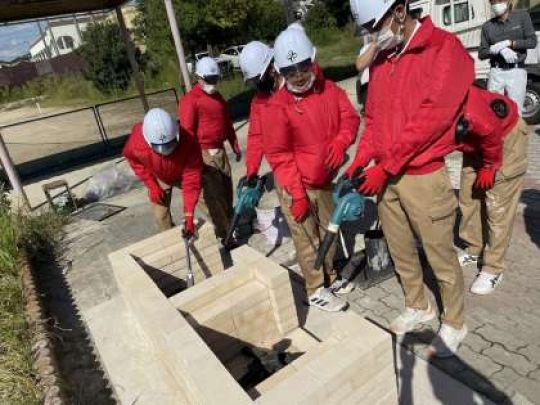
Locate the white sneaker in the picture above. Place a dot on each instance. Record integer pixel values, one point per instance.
(466, 259)
(485, 283)
(325, 300)
(342, 287)
(412, 319)
(447, 341)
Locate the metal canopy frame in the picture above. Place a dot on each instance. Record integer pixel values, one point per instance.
(17, 10)
(12, 11)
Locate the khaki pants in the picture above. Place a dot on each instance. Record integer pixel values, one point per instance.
(424, 206)
(162, 213)
(486, 224)
(217, 195)
(308, 235)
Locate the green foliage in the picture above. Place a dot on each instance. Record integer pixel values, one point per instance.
(204, 23)
(5, 204)
(318, 17)
(39, 236)
(105, 54)
(340, 10)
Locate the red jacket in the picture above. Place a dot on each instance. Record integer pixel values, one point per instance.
(254, 151)
(183, 166)
(206, 117)
(413, 101)
(486, 130)
(298, 132)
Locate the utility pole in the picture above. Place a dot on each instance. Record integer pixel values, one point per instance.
(178, 44)
(131, 55)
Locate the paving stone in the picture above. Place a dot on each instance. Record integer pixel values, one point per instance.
(476, 342)
(496, 335)
(394, 301)
(504, 379)
(483, 385)
(372, 304)
(535, 375)
(532, 352)
(527, 387)
(515, 361)
(376, 293)
(519, 399)
(478, 362)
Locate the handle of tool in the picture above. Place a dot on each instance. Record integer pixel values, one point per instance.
(230, 232)
(190, 277)
(324, 248)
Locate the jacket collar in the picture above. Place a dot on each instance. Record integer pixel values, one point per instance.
(423, 35)
(285, 96)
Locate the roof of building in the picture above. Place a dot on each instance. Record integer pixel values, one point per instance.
(16, 10)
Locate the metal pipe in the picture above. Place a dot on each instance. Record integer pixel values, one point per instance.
(78, 28)
(12, 174)
(42, 36)
(178, 44)
(131, 54)
(53, 39)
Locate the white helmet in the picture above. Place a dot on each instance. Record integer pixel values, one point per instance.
(160, 131)
(207, 66)
(371, 11)
(292, 46)
(255, 59)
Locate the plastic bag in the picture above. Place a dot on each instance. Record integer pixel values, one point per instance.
(272, 224)
(113, 180)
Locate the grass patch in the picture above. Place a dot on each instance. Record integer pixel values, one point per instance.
(33, 234)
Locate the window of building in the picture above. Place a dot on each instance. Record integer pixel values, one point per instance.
(461, 14)
(65, 42)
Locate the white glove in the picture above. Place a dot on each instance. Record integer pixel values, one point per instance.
(495, 49)
(509, 55)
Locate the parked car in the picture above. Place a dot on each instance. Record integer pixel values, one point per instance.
(225, 66)
(233, 54)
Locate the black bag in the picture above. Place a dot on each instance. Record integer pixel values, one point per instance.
(379, 264)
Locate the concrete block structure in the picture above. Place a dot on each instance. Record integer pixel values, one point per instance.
(201, 337)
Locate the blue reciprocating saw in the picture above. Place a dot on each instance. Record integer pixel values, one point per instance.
(349, 207)
(248, 195)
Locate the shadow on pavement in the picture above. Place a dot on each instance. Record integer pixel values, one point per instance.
(531, 214)
(442, 389)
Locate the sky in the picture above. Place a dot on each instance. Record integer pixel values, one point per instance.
(15, 40)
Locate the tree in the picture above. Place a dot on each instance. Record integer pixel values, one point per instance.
(341, 10)
(319, 17)
(106, 57)
(216, 23)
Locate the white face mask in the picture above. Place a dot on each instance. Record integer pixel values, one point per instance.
(499, 8)
(386, 39)
(209, 88)
(306, 87)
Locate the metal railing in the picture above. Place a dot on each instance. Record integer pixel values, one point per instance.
(59, 141)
